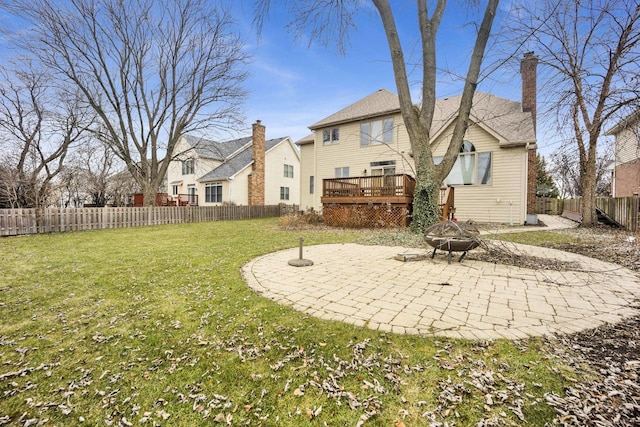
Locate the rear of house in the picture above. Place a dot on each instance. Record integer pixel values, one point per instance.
(494, 175)
(490, 175)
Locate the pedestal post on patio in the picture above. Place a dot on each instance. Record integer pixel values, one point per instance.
(300, 261)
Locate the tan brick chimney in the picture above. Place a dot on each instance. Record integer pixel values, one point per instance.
(256, 179)
(528, 71)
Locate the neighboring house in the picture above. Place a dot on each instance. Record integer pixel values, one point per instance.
(494, 176)
(625, 180)
(245, 171)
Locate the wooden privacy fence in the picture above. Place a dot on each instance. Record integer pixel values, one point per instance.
(549, 205)
(624, 210)
(15, 222)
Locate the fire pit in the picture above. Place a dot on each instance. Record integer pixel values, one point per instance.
(452, 237)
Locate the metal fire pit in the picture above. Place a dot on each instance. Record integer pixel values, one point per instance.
(452, 237)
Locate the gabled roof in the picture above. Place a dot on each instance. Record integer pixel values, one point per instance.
(309, 139)
(216, 150)
(624, 123)
(378, 103)
(237, 162)
(502, 117)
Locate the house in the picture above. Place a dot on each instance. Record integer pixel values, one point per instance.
(244, 171)
(625, 180)
(493, 177)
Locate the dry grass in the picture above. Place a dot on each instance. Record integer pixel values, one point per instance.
(155, 326)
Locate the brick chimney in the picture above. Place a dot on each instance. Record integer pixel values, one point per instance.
(528, 71)
(256, 179)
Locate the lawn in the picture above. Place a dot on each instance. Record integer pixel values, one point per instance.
(155, 326)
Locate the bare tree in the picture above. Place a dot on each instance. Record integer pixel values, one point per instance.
(96, 164)
(567, 175)
(152, 70)
(69, 188)
(39, 124)
(591, 52)
(330, 21)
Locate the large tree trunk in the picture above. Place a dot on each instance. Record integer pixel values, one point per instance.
(588, 183)
(149, 192)
(419, 121)
(425, 196)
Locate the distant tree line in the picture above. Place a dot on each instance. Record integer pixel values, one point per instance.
(100, 91)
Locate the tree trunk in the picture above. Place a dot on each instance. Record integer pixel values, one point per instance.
(149, 191)
(425, 196)
(588, 201)
(588, 184)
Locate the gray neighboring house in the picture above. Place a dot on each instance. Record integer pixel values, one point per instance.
(245, 171)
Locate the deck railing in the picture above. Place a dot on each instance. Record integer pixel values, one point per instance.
(164, 199)
(447, 203)
(399, 185)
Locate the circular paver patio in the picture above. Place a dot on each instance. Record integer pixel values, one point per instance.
(366, 286)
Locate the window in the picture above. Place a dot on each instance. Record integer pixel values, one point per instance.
(342, 172)
(331, 136)
(383, 168)
(312, 184)
(288, 171)
(187, 167)
(470, 168)
(213, 192)
(174, 190)
(376, 132)
(284, 193)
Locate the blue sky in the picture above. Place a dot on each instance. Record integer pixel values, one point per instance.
(293, 85)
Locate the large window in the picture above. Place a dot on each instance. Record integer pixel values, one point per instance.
(288, 171)
(187, 167)
(342, 172)
(331, 136)
(213, 192)
(470, 168)
(284, 193)
(376, 132)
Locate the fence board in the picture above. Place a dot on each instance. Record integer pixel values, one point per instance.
(548, 205)
(54, 220)
(624, 210)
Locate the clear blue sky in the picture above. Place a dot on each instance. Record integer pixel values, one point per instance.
(293, 85)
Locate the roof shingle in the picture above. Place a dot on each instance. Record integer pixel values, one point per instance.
(502, 116)
(236, 163)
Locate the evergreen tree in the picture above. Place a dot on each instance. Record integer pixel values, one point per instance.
(545, 185)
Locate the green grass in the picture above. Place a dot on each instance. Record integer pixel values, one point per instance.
(156, 326)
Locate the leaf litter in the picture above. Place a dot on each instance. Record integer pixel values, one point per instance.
(610, 352)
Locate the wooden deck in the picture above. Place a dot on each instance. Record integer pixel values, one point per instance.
(375, 201)
(368, 201)
(369, 189)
